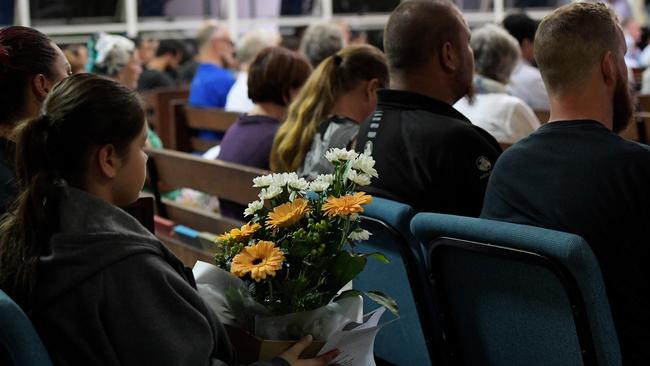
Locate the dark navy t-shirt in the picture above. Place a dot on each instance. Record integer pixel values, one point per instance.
(580, 177)
(210, 86)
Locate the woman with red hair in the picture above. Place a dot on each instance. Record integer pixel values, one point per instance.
(30, 65)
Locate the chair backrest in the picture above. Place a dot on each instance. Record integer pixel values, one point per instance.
(410, 337)
(517, 295)
(160, 112)
(189, 120)
(230, 182)
(18, 337)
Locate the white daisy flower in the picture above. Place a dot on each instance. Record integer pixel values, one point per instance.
(263, 181)
(318, 186)
(270, 192)
(327, 178)
(359, 235)
(365, 163)
(358, 178)
(299, 184)
(336, 155)
(253, 207)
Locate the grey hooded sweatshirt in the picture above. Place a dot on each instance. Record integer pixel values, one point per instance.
(109, 293)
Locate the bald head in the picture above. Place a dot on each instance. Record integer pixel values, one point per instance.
(416, 31)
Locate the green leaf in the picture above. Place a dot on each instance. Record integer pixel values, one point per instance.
(346, 267)
(378, 256)
(348, 293)
(384, 300)
(299, 249)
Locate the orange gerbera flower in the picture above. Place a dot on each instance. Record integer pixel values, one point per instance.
(260, 260)
(346, 205)
(240, 234)
(288, 214)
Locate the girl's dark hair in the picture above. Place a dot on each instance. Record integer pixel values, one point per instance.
(81, 113)
(24, 52)
(274, 72)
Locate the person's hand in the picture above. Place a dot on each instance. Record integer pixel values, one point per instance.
(292, 355)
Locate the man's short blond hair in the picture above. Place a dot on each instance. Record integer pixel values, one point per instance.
(208, 31)
(572, 40)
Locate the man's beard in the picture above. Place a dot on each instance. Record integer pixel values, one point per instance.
(623, 107)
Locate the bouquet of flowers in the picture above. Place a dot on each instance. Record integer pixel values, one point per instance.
(298, 250)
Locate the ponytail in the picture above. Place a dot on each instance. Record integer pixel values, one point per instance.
(334, 76)
(33, 217)
(81, 113)
(311, 106)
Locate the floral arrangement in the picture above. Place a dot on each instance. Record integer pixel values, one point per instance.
(298, 249)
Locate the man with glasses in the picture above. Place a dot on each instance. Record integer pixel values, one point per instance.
(212, 81)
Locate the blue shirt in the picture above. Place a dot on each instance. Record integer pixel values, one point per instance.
(210, 86)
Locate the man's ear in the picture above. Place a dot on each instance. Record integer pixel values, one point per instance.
(448, 58)
(40, 86)
(608, 68)
(108, 161)
(371, 87)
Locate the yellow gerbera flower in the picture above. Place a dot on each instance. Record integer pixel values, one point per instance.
(260, 260)
(346, 205)
(240, 234)
(288, 214)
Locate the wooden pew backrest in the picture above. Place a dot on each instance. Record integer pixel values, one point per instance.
(232, 182)
(160, 111)
(190, 119)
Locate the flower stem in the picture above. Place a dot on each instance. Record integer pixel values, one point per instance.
(270, 291)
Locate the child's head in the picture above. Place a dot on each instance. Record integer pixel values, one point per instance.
(351, 75)
(90, 134)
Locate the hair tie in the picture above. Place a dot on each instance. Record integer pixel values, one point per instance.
(337, 60)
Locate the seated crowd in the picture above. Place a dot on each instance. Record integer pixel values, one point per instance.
(435, 111)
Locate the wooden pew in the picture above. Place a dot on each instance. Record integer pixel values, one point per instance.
(180, 170)
(143, 211)
(187, 120)
(160, 113)
(174, 170)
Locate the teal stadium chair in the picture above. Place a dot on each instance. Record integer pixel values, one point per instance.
(18, 338)
(517, 295)
(409, 340)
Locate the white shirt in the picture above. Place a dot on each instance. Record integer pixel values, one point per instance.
(526, 83)
(237, 99)
(503, 116)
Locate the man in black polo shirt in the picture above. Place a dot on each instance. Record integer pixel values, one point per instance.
(575, 174)
(428, 155)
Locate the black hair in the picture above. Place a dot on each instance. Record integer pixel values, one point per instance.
(170, 46)
(521, 26)
(82, 112)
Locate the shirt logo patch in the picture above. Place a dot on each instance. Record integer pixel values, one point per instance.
(483, 164)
